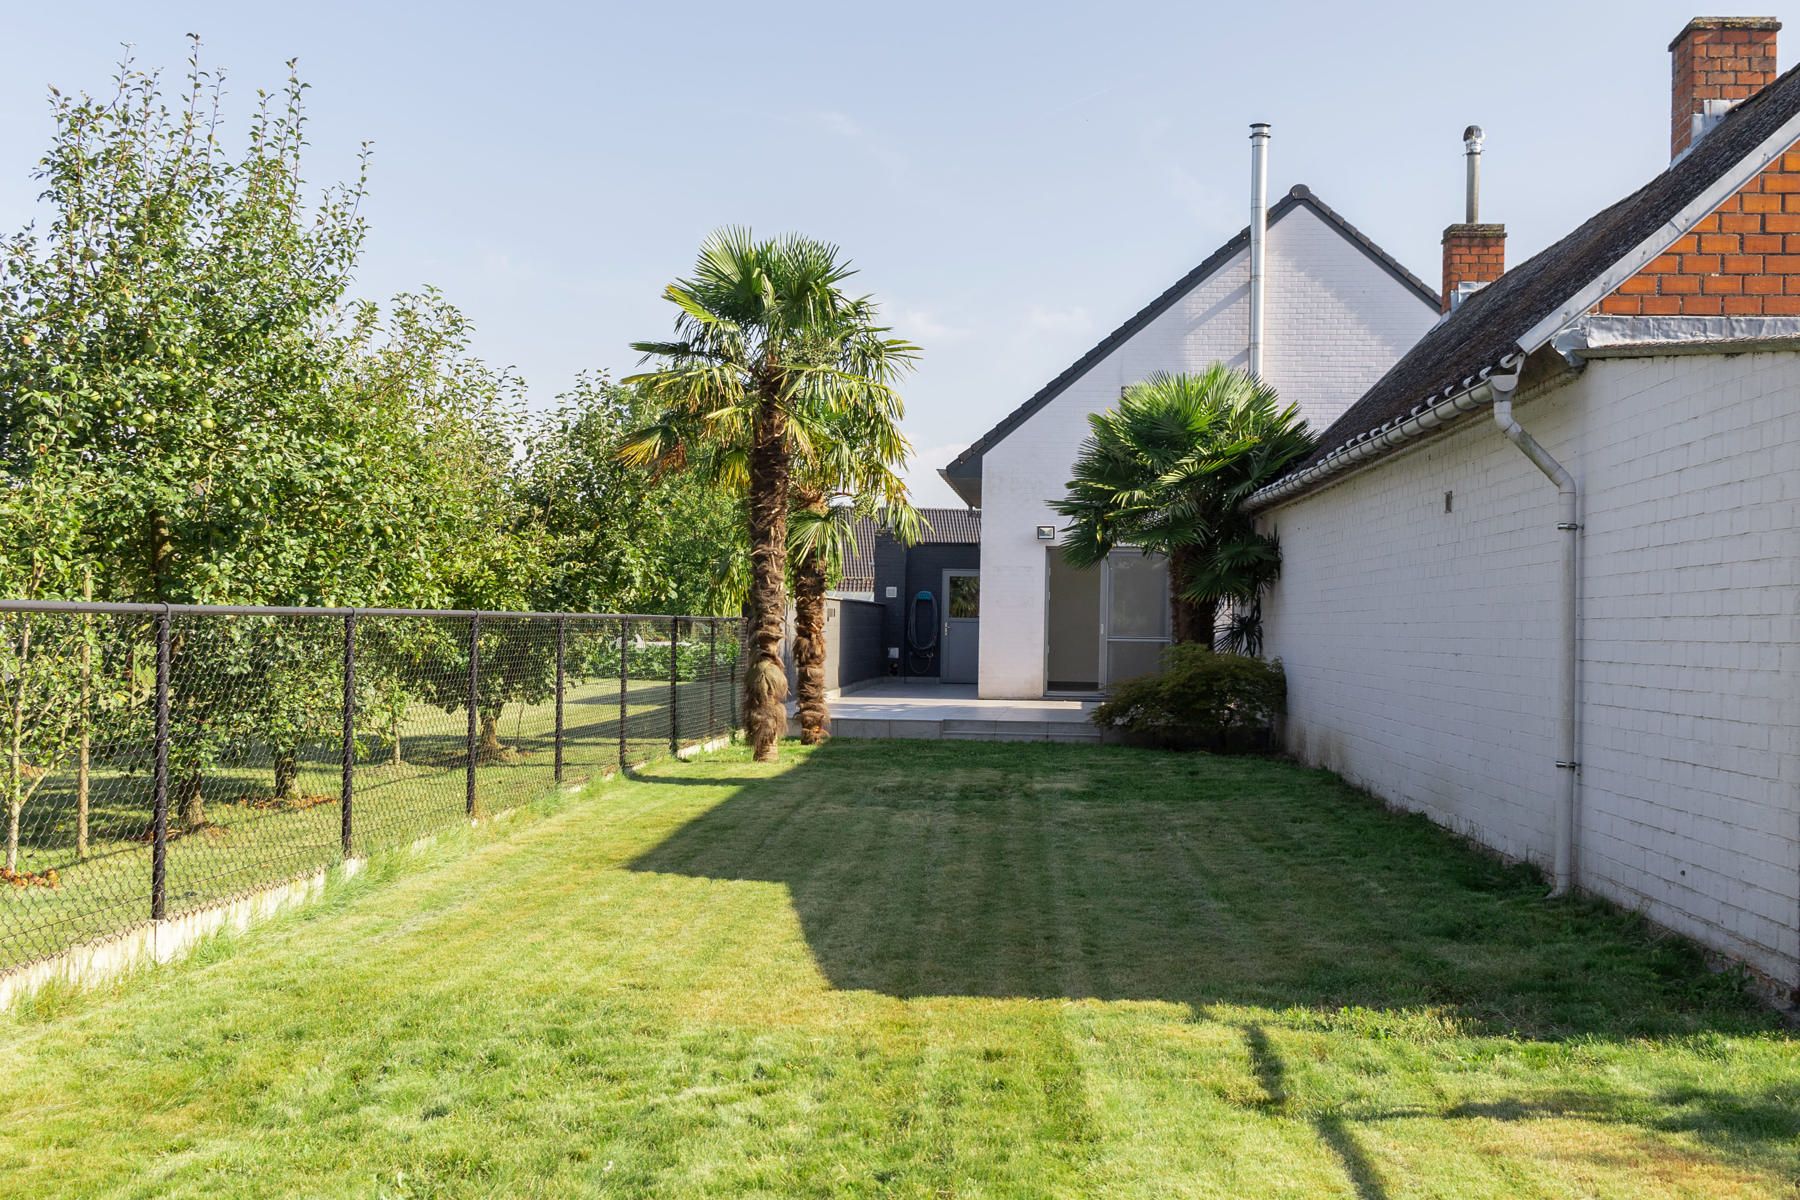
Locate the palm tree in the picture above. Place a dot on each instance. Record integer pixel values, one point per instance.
(821, 541)
(845, 482)
(768, 350)
(1168, 471)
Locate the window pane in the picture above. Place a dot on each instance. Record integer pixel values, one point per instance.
(1128, 660)
(965, 595)
(1139, 595)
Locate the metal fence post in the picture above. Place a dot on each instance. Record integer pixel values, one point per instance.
(562, 625)
(159, 835)
(474, 703)
(624, 653)
(349, 779)
(731, 695)
(675, 685)
(712, 676)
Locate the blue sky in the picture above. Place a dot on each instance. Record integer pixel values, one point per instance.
(1013, 180)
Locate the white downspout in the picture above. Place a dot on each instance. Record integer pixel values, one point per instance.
(1569, 506)
(1259, 236)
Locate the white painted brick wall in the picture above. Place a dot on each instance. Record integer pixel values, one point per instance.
(1336, 322)
(1418, 644)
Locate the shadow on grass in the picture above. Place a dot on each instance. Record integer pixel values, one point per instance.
(960, 869)
(949, 869)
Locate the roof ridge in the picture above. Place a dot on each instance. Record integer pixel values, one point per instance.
(1297, 195)
(1490, 324)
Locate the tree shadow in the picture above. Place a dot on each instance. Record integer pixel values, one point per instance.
(1760, 1125)
(1055, 872)
(942, 869)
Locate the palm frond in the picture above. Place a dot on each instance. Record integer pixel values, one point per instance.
(1168, 469)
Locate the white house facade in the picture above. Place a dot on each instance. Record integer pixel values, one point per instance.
(1338, 313)
(1542, 581)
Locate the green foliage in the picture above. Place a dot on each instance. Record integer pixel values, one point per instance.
(617, 540)
(178, 371)
(766, 331)
(768, 325)
(1201, 700)
(647, 658)
(166, 349)
(447, 489)
(189, 414)
(192, 410)
(1168, 471)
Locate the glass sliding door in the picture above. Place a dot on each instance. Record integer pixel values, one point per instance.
(1134, 615)
(1072, 625)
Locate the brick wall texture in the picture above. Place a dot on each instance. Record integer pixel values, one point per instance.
(1472, 254)
(1742, 259)
(1717, 58)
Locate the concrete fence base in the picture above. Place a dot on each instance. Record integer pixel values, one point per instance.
(687, 752)
(163, 941)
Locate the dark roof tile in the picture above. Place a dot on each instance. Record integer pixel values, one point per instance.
(943, 526)
(1487, 326)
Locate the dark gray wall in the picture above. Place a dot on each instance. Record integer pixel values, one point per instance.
(854, 650)
(911, 571)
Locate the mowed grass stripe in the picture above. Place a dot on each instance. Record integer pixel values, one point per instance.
(887, 969)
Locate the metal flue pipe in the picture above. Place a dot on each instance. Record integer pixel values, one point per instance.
(1259, 236)
(1472, 139)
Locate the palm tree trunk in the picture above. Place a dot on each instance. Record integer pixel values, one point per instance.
(1190, 620)
(765, 679)
(809, 651)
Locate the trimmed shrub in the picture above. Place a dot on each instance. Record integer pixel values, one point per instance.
(1201, 701)
(649, 660)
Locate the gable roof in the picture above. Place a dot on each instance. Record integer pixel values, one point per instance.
(1519, 312)
(950, 526)
(964, 472)
(943, 526)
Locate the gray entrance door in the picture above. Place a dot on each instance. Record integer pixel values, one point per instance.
(962, 626)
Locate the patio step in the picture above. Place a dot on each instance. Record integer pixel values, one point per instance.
(952, 730)
(931, 711)
(1018, 731)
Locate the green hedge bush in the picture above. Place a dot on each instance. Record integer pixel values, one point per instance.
(1201, 701)
(596, 657)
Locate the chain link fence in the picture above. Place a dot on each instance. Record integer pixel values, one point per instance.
(159, 760)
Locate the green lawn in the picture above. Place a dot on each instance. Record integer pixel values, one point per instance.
(905, 969)
(250, 845)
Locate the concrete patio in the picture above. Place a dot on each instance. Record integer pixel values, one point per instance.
(924, 708)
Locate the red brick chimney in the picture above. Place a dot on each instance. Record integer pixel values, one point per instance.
(1715, 62)
(1474, 254)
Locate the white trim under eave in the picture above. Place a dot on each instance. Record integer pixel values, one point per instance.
(1426, 418)
(1721, 190)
